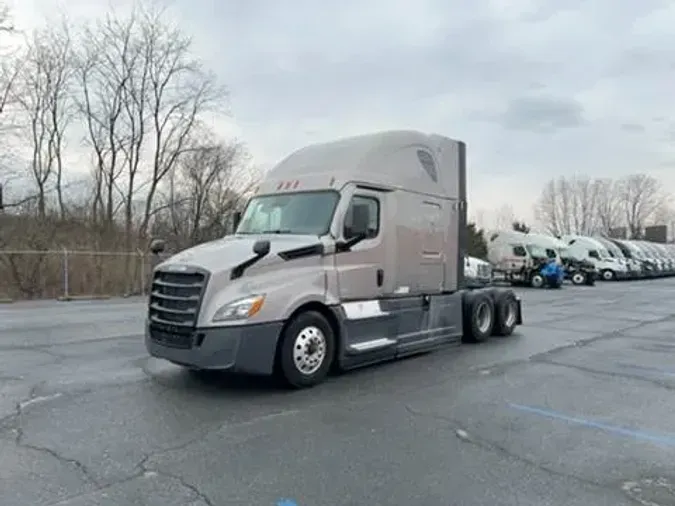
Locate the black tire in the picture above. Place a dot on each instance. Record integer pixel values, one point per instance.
(608, 275)
(579, 278)
(315, 329)
(537, 280)
(476, 328)
(554, 283)
(506, 313)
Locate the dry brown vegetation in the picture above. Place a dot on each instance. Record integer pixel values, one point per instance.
(126, 95)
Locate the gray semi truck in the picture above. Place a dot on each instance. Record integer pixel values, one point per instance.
(348, 254)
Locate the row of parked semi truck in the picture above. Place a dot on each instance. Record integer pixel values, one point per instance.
(543, 260)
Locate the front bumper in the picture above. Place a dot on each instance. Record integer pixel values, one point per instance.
(624, 274)
(243, 348)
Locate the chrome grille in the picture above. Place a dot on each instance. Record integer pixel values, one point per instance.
(484, 271)
(175, 300)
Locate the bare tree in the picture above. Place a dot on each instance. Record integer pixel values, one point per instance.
(208, 184)
(569, 206)
(9, 65)
(103, 74)
(608, 205)
(584, 194)
(143, 96)
(5, 18)
(43, 91)
(180, 92)
(504, 217)
(552, 207)
(641, 198)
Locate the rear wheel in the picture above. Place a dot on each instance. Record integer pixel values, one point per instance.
(506, 313)
(479, 317)
(307, 350)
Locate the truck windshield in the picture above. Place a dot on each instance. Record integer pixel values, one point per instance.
(303, 213)
(537, 251)
(604, 254)
(635, 251)
(615, 252)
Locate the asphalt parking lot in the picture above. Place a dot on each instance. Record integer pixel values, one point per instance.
(577, 409)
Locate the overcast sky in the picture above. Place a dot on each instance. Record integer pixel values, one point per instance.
(535, 89)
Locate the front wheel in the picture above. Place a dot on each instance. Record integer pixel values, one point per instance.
(537, 280)
(578, 278)
(307, 350)
(608, 275)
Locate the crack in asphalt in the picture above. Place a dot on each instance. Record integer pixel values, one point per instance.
(192, 488)
(611, 374)
(504, 366)
(486, 444)
(142, 466)
(19, 439)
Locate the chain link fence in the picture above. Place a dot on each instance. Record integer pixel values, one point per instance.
(71, 274)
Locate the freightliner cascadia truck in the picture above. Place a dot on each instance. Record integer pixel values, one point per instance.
(349, 253)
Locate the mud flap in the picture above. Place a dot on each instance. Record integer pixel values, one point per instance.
(519, 316)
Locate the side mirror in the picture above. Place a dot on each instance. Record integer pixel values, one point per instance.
(236, 221)
(261, 248)
(157, 246)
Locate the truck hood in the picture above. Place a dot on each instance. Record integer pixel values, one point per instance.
(224, 254)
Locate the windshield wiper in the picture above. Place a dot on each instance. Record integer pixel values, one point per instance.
(277, 231)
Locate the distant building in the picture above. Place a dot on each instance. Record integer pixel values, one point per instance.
(656, 233)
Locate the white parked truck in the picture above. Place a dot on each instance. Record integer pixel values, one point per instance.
(592, 250)
(350, 253)
(477, 272)
(520, 258)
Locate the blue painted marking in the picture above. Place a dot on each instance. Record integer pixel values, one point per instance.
(662, 439)
(286, 502)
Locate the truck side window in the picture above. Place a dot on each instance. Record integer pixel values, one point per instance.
(519, 251)
(365, 208)
(593, 254)
(427, 162)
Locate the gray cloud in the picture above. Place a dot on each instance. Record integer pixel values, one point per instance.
(502, 75)
(542, 114)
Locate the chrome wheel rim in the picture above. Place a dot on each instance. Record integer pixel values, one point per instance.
(484, 318)
(510, 314)
(309, 350)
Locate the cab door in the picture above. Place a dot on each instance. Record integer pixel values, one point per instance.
(362, 270)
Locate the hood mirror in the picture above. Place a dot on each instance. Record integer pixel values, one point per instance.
(261, 247)
(157, 246)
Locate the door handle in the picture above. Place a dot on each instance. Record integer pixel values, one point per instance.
(380, 277)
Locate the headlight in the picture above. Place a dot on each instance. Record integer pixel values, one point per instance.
(240, 309)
